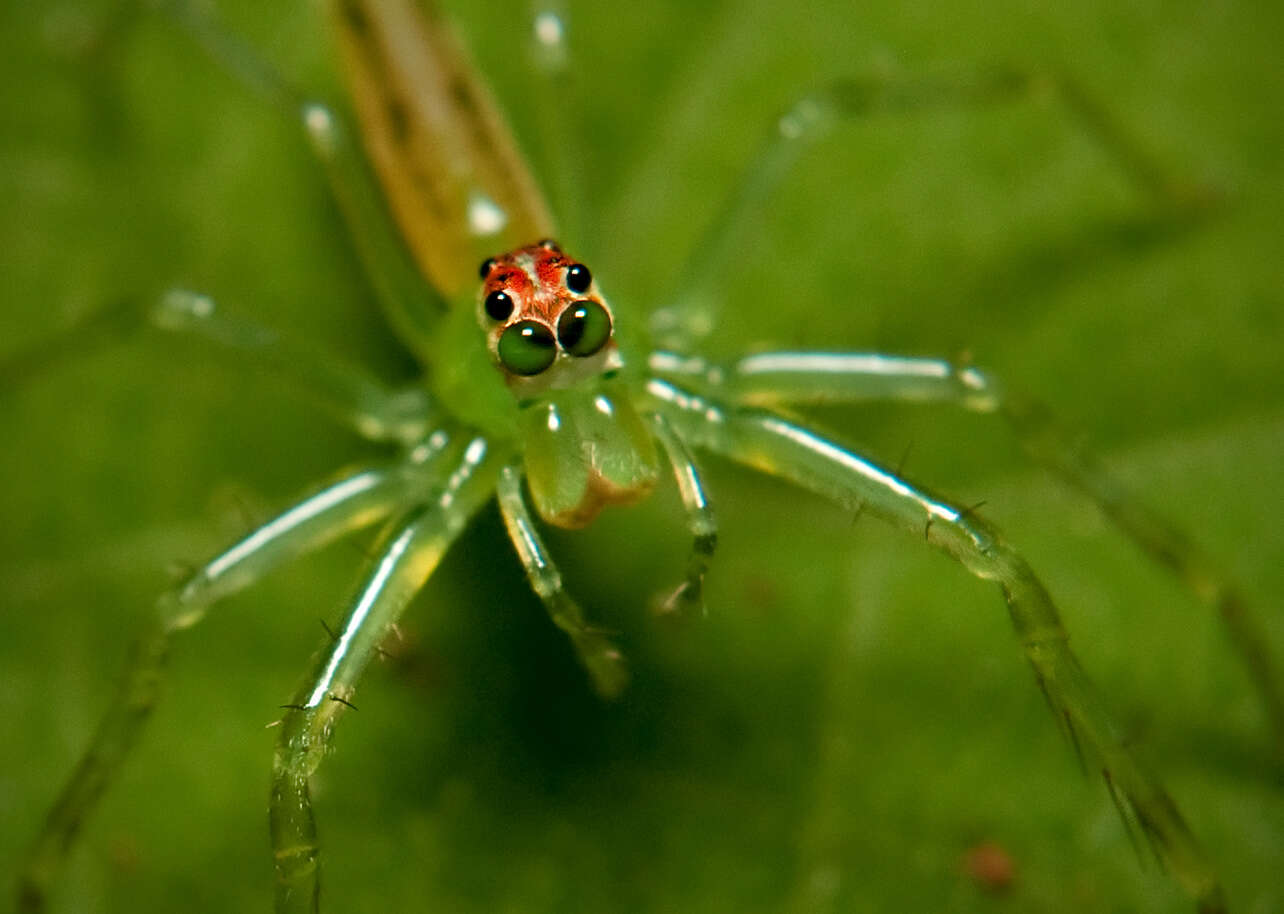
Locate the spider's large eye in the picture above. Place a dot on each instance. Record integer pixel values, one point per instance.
(527, 348)
(578, 278)
(584, 328)
(498, 305)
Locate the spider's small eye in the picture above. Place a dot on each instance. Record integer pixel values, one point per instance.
(498, 305)
(584, 328)
(549, 244)
(578, 278)
(527, 348)
(486, 266)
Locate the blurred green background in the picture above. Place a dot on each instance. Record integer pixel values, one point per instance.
(854, 715)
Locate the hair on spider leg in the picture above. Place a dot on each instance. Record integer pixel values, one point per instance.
(180, 571)
(904, 458)
(1130, 827)
(394, 634)
(298, 707)
(250, 519)
(1073, 735)
(963, 515)
(900, 472)
(1064, 724)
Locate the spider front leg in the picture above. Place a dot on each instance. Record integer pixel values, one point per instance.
(348, 504)
(767, 442)
(776, 378)
(602, 659)
(689, 595)
(407, 554)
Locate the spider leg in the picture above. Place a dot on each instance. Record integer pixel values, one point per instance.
(551, 58)
(352, 502)
(689, 595)
(691, 311)
(775, 378)
(767, 442)
(410, 304)
(1044, 439)
(343, 391)
(347, 393)
(602, 659)
(407, 553)
(97, 330)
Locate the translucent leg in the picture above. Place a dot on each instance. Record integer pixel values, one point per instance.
(689, 595)
(558, 123)
(600, 657)
(411, 306)
(99, 330)
(346, 393)
(775, 378)
(408, 552)
(691, 312)
(353, 502)
(769, 443)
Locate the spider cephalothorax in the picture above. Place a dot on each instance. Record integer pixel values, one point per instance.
(547, 325)
(551, 334)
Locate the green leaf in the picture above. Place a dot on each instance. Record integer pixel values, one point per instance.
(855, 715)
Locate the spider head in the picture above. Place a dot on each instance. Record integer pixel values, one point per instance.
(547, 326)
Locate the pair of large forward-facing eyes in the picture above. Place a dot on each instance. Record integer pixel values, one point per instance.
(529, 347)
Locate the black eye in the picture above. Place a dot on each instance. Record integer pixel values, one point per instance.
(527, 348)
(498, 305)
(578, 278)
(487, 265)
(583, 328)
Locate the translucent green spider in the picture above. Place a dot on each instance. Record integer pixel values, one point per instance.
(539, 395)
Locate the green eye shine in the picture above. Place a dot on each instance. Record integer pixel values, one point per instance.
(527, 348)
(584, 328)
